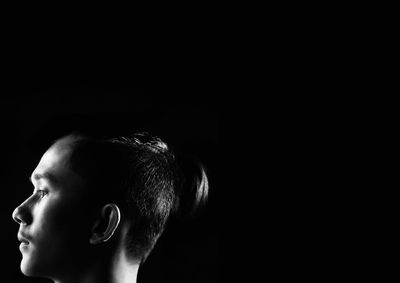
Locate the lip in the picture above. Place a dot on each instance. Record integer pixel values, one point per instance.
(23, 246)
(23, 239)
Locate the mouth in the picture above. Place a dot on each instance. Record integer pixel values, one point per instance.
(23, 239)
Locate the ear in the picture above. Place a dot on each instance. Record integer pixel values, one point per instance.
(106, 225)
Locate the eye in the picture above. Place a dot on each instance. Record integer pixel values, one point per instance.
(40, 193)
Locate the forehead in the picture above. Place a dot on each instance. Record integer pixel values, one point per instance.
(54, 167)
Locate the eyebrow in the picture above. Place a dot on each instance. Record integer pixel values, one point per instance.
(46, 176)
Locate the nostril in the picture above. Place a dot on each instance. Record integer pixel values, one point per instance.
(22, 214)
(16, 215)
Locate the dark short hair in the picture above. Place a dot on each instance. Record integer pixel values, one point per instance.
(143, 175)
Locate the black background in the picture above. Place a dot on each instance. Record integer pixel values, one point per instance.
(187, 118)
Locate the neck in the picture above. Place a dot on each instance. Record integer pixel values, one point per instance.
(119, 269)
(124, 271)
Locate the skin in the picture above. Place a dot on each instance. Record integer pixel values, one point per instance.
(64, 237)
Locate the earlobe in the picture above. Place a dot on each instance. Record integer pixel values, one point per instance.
(106, 225)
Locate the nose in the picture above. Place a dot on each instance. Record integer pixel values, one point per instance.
(20, 215)
(16, 215)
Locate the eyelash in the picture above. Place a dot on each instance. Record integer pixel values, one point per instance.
(41, 193)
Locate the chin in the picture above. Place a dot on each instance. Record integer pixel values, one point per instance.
(28, 268)
(25, 269)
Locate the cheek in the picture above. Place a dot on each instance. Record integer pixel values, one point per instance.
(60, 236)
(63, 222)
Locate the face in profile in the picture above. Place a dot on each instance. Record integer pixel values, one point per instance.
(53, 222)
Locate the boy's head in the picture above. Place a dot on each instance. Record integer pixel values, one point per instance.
(94, 196)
